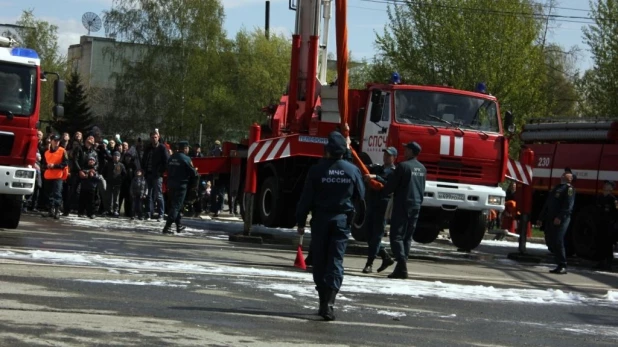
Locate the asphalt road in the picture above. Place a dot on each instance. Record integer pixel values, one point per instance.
(118, 283)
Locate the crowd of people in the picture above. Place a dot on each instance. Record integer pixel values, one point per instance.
(92, 176)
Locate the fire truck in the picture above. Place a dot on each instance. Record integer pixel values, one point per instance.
(589, 147)
(461, 134)
(20, 98)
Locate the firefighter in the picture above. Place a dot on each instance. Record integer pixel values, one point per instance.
(56, 161)
(330, 188)
(608, 205)
(408, 186)
(181, 174)
(376, 212)
(556, 216)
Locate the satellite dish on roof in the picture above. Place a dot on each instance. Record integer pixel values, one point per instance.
(92, 22)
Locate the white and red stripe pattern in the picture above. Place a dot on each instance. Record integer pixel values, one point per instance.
(270, 149)
(600, 175)
(519, 172)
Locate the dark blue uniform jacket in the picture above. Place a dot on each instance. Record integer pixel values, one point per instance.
(330, 188)
(559, 203)
(408, 185)
(180, 170)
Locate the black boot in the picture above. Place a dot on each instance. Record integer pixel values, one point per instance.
(401, 270)
(386, 260)
(559, 270)
(51, 212)
(56, 212)
(180, 228)
(329, 304)
(368, 266)
(323, 302)
(166, 228)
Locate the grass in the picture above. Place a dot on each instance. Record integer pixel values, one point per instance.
(537, 233)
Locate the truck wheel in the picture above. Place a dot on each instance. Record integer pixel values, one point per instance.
(359, 227)
(426, 233)
(11, 211)
(269, 202)
(585, 233)
(467, 229)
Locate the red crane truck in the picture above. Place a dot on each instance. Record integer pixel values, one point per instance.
(590, 148)
(20, 99)
(461, 133)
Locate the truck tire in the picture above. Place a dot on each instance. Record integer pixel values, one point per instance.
(585, 233)
(11, 211)
(270, 202)
(426, 233)
(359, 227)
(467, 229)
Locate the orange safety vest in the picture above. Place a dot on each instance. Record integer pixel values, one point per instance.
(55, 158)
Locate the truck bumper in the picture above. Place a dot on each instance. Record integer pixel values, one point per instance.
(17, 180)
(454, 196)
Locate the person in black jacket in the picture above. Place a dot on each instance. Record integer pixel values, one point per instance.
(608, 205)
(114, 174)
(408, 186)
(154, 164)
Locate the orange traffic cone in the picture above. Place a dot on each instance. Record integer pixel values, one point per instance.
(300, 258)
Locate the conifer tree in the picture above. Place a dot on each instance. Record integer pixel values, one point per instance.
(77, 115)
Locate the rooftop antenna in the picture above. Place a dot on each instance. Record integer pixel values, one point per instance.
(92, 22)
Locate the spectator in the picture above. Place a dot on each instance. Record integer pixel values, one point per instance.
(154, 164)
(139, 193)
(114, 174)
(88, 187)
(216, 150)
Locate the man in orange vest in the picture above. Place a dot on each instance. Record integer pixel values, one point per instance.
(55, 162)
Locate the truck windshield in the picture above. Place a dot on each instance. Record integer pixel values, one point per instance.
(445, 109)
(17, 89)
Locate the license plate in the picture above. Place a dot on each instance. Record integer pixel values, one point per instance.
(451, 196)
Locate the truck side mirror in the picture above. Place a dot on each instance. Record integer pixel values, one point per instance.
(58, 111)
(376, 108)
(509, 122)
(59, 91)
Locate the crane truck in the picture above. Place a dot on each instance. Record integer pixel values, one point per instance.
(461, 133)
(590, 148)
(20, 102)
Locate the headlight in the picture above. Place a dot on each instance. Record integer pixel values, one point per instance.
(24, 174)
(495, 200)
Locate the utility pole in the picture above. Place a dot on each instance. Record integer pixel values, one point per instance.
(267, 20)
(201, 118)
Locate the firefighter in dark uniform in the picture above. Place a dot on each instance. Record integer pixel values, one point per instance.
(608, 205)
(556, 216)
(330, 188)
(180, 176)
(408, 186)
(377, 202)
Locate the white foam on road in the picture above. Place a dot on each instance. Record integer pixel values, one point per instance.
(512, 244)
(138, 283)
(391, 313)
(297, 283)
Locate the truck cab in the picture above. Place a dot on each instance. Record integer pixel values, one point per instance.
(20, 94)
(464, 151)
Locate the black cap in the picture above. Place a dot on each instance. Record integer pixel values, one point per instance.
(391, 150)
(568, 170)
(54, 137)
(183, 144)
(336, 144)
(415, 147)
(116, 154)
(197, 145)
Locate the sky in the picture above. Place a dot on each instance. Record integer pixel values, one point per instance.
(364, 18)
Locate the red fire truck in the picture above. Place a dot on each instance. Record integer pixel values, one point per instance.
(590, 148)
(461, 133)
(20, 98)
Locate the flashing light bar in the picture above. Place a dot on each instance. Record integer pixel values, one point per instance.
(24, 53)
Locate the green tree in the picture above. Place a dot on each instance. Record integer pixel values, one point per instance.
(258, 75)
(462, 42)
(173, 58)
(77, 115)
(43, 37)
(601, 37)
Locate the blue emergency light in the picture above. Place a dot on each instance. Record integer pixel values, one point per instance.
(24, 53)
(395, 79)
(481, 88)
